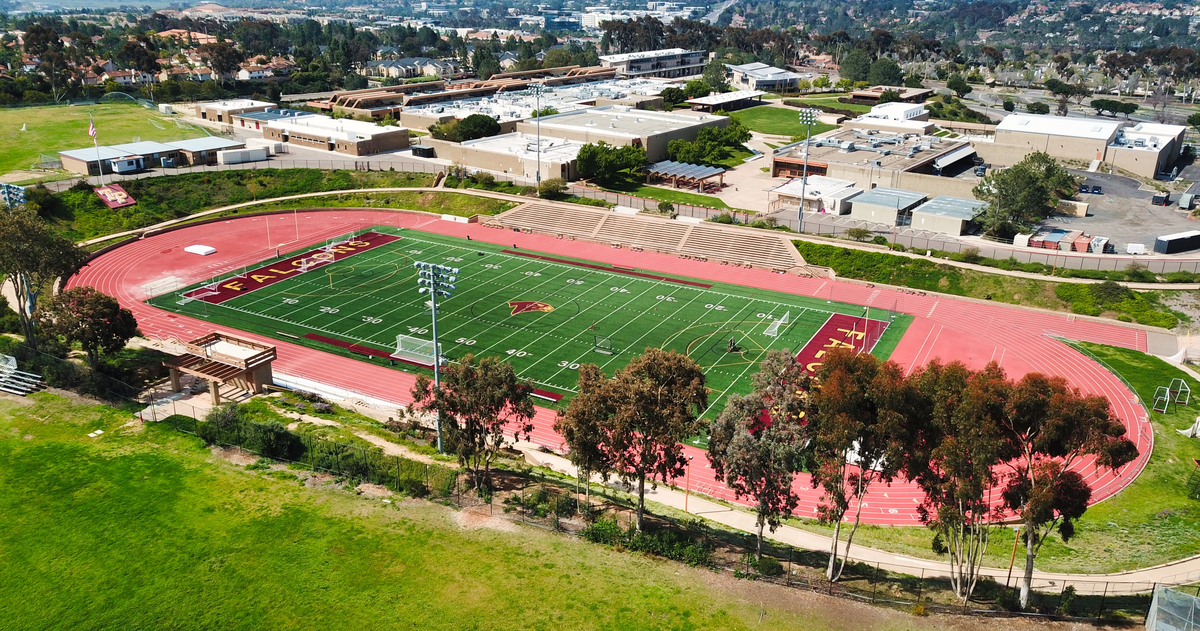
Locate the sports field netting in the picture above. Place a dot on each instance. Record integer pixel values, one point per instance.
(545, 314)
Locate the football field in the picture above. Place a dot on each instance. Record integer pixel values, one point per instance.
(544, 314)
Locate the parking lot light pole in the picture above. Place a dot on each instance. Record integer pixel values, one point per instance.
(437, 281)
(808, 116)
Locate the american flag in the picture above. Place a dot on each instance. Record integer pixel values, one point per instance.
(91, 128)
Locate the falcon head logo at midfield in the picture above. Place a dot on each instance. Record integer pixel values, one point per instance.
(525, 306)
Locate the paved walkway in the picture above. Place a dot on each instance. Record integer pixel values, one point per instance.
(1179, 572)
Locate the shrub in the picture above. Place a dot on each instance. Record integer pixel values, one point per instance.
(666, 208)
(1109, 293)
(1066, 604)
(724, 218)
(970, 255)
(606, 531)
(879, 240)
(1138, 273)
(769, 566)
(859, 234)
(552, 188)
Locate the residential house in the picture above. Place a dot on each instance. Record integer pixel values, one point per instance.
(254, 73)
(120, 77)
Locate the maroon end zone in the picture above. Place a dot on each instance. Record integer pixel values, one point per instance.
(840, 331)
(280, 270)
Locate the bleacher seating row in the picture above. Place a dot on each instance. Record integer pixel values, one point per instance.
(727, 244)
(15, 381)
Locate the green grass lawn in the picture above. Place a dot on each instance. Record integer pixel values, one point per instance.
(369, 299)
(144, 528)
(630, 186)
(58, 128)
(736, 158)
(782, 121)
(1149, 522)
(832, 101)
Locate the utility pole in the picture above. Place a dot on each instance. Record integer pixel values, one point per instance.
(437, 281)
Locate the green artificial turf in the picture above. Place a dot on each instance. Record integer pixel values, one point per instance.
(49, 130)
(781, 121)
(371, 297)
(144, 529)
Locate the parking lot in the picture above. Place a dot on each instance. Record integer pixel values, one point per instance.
(1123, 213)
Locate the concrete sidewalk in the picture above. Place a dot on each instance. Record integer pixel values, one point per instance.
(1179, 572)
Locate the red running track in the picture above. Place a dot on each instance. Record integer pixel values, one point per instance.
(944, 328)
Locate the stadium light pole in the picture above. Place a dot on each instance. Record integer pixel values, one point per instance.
(808, 116)
(437, 281)
(538, 89)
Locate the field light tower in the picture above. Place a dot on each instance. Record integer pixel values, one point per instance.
(437, 281)
(808, 116)
(538, 90)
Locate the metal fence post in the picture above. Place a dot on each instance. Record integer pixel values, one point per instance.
(875, 583)
(1103, 597)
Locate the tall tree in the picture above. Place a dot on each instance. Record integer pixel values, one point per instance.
(582, 425)
(90, 318)
(1049, 426)
(33, 255)
(955, 448)
(858, 437)
(885, 72)
(656, 402)
(477, 401)
(222, 57)
(757, 443)
(855, 66)
(716, 75)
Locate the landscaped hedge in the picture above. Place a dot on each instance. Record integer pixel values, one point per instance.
(664, 543)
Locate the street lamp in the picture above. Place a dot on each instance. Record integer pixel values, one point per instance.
(437, 281)
(808, 116)
(687, 483)
(538, 89)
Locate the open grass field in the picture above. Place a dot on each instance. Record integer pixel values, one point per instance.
(1149, 522)
(144, 528)
(52, 129)
(832, 101)
(780, 121)
(547, 315)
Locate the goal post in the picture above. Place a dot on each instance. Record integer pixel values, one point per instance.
(415, 349)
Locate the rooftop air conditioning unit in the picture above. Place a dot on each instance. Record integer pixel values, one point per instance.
(848, 146)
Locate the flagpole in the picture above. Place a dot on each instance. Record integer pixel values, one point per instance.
(96, 144)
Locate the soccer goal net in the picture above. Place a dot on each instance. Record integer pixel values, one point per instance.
(311, 262)
(414, 349)
(773, 328)
(210, 289)
(602, 344)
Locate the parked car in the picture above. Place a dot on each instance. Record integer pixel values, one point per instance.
(1096, 190)
(1083, 188)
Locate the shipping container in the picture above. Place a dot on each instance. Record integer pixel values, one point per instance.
(1082, 243)
(423, 151)
(1099, 245)
(238, 156)
(1068, 240)
(1022, 240)
(1178, 242)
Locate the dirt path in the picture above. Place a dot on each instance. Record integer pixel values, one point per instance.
(392, 449)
